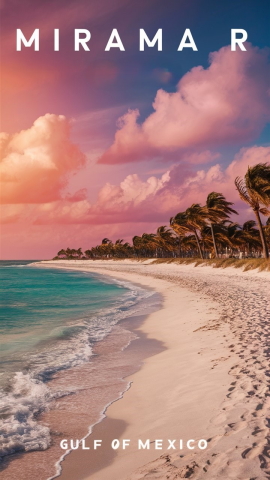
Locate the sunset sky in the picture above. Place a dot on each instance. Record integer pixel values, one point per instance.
(112, 144)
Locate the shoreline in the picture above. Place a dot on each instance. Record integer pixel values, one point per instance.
(86, 380)
(211, 381)
(192, 424)
(138, 342)
(232, 371)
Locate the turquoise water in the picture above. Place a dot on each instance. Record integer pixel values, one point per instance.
(50, 319)
(37, 304)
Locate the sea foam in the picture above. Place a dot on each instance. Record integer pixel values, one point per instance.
(29, 393)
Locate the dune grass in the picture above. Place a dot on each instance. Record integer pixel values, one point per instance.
(245, 263)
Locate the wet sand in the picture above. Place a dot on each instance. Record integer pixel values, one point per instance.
(95, 385)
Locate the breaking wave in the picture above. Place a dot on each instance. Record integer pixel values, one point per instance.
(28, 392)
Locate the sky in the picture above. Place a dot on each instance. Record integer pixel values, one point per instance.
(113, 143)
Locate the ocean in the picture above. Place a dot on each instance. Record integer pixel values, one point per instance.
(50, 321)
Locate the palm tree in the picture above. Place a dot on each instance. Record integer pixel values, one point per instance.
(267, 225)
(180, 228)
(121, 249)
(145, 245)
(230, 234)
(201, 229)
(79, 252)
(188, 245)
(192, 220)
(267, 231)
(148, 244)
(119, 241)
(254, 189)
(218, 209)
(106, 241)
(165, 239)
(137, 244)
(251, 235)
(106, 247)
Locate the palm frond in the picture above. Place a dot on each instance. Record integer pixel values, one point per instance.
(242, 190)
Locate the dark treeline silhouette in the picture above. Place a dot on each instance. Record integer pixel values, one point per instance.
(201, 231)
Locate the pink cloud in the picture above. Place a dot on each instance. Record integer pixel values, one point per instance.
(157, 198)
(130, 143)
(196, 158)
(124, 210)
(36, 163)
(11, 213)
(227, 103)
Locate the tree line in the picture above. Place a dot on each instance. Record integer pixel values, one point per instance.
(201, 231)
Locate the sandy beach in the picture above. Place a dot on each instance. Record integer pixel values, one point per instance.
(210, 379)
